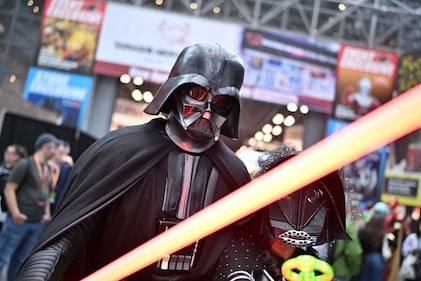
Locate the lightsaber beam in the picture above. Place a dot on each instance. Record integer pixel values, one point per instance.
(391, 121)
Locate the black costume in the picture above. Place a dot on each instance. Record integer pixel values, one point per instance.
(137, 181)
(310, 216)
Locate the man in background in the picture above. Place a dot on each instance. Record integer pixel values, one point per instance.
(26, 194)
(12, 154)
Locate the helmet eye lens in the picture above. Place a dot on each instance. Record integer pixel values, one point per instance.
(222, 105)
(198, 93)
(201, 97)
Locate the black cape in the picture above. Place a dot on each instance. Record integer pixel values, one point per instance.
(126, 158)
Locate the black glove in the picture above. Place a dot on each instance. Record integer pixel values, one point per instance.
(50, 262)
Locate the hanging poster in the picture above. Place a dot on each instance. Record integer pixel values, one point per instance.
(365, 80)
(69, 32)
(65, 93)
(366, 173)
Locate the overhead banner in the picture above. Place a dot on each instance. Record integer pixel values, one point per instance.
(65, 93)
(69, 33)
(365, 80)
(282, 68)
(146, 43)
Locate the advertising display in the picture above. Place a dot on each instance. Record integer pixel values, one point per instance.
(145, 43)
(365, 174)
(365, 80)
(404, 186)
(69, 33)
(282, 68)
(62, 92)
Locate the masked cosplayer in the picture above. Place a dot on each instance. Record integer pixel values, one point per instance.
(308, 217)
(138, 181)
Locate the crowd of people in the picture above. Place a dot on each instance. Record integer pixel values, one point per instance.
(30, 186)
(137, 182)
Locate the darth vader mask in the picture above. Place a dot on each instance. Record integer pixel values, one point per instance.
(201, 112)
(201, 96)
(312, 215)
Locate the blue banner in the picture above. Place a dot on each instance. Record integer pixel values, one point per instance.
(65, 93)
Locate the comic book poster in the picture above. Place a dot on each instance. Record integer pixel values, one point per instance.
(366, 174)
(365, 80)
(69, 33)
(66, 94)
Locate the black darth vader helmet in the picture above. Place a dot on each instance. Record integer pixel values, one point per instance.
(312, 215)
(212, 67)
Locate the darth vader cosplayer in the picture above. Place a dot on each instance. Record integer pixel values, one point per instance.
(138, 181)
(305, 218)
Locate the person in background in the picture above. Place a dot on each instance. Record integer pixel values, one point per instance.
(372, 236)
(26, 194)
(412, 242)
(12, 154)
(345, 256)
(62, 163)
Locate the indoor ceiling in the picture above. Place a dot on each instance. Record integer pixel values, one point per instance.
(382, 24)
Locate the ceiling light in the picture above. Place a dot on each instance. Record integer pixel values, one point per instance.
(341, 7)
(276, 130)
(267, 128)
(259, 136)
(304, 109)
(292, 106)
(137, 95)
(12, 78)
(289, 121)
(138, 81)
(125, 78)
(267, 137)
(159, 2)
(216, 10)
(193, 6)
(147, 96)
(252, 141)
(277, 119)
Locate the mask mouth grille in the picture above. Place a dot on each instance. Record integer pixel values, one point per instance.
(201, 128)
(296, 238)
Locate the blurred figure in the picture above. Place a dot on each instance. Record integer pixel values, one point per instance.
(410, 269)
(62, 164)
(26, 194)
(12, 155)
(345, 256)
(371, 237)
(412, 242)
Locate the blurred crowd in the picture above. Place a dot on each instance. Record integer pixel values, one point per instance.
(385, 245)
(30, 187)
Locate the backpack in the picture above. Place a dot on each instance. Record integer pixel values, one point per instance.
(4, 175)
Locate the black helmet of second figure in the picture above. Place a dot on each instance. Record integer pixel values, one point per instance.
(205, 77)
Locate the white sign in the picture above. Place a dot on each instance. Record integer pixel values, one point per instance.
(149, 39)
